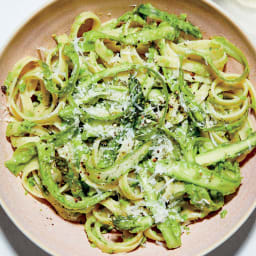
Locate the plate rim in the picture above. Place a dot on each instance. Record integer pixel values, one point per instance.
(37, 242)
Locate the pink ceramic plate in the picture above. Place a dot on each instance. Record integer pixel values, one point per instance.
(35, 218)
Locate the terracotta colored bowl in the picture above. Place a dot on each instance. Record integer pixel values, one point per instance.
(35, 218)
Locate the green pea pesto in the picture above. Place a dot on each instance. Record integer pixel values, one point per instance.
(21, 157)
(223, 214)
(19, 128)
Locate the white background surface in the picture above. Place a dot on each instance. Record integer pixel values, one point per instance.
(12, 241)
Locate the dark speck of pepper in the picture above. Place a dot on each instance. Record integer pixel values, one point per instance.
(4, 89)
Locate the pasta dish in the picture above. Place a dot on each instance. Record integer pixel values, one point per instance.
(133, 126)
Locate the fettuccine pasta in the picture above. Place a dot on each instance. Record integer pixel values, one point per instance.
(133, 123)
